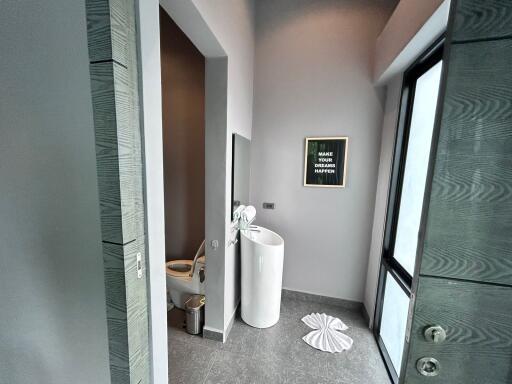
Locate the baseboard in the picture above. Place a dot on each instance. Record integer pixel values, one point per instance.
(366, 316)
(213, 334)
(311, 297)
(230, 324)
(217, 334)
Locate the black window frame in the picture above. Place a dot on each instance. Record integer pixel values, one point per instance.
(432, 56)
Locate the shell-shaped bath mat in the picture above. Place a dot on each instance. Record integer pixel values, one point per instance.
(326, 335)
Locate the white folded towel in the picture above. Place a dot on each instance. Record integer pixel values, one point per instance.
(248, 214)
(326, 335)
(238, 212)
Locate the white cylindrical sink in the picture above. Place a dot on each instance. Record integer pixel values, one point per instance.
(262, 276)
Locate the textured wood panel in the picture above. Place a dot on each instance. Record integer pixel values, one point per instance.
(126, 311)
(469, 224)
(483, 19)
(478, 104)
(468, 242)
(108, 23)
(136, 304)
(114, 85)
(113, 262)
(117, 152)
(478, 322)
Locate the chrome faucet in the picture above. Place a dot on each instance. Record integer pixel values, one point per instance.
(253, 228)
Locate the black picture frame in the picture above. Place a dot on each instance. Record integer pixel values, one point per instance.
(325, 162)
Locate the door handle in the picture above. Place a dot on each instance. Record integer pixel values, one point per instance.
(435, 334)
(139, 265)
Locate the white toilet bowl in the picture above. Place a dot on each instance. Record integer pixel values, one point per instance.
(180, 284)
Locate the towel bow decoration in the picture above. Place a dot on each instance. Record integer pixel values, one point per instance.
(326, 335)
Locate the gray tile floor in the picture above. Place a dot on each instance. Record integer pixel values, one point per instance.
(274, 355)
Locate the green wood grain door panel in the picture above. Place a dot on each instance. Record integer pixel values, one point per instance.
(469, 227)
(114, 87)
(478, 323)
(482, 19)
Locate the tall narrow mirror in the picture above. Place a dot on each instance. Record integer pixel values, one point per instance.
(241, 172)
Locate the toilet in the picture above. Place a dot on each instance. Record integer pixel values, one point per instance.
(184, 278)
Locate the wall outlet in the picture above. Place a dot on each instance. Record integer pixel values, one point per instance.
(269, 205)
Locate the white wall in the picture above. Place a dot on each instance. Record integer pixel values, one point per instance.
(151, 115)
(313, 77)
(232, 22)
(389, 125)
(52, 298)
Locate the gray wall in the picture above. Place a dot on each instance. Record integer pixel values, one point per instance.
(313, 73)
(52, 298)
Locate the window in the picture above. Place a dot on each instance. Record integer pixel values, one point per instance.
(405, 204)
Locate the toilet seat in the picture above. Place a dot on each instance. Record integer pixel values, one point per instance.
(181, 268)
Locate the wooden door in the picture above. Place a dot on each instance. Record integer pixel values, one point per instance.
(114, 87)
(463, 279)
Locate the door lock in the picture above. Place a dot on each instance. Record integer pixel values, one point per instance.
(428, 366)
(435, 334)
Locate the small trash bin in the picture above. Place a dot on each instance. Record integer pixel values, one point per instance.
(194, 310)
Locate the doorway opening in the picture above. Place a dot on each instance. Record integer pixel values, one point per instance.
(183, 133)
(411, 160)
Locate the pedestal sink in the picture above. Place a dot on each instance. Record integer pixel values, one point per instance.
(262, 255)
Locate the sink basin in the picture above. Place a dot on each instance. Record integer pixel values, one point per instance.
(262, 252)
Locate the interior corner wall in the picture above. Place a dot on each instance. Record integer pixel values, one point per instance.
(53, 326)
(389, 125)
(412, 19)
(232, 23)
(222, 30)
(313, 77)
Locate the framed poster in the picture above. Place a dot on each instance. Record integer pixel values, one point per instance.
(325, 162)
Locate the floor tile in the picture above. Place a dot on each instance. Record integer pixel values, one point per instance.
(283, 344)
(302, 377)
(189, 364)
(275, 355)
(361, 364)
(233, 368)
(299, 309)
(242, 339)
(177, 332)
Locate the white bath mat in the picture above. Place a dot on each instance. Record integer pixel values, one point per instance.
(326, 335)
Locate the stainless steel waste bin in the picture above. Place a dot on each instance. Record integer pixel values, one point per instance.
(194, 309)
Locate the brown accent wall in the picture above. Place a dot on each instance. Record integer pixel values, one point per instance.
(183, 92)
